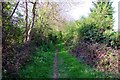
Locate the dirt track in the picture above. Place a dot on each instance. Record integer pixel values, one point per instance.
(55, 73)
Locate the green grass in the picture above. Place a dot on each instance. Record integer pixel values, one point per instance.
(71, 67)
(41, 65)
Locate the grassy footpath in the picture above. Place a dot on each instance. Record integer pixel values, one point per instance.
(70, 67)
(41, 66)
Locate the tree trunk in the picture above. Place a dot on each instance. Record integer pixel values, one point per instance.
(0, 40)
(32, 24)
(26, 23)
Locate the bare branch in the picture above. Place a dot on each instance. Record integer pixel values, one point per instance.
(14, 10)
(31, 2)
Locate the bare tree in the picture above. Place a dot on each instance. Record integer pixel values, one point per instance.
(26, 22)
(29, 34)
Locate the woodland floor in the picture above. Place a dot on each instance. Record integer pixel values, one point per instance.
(57, 63)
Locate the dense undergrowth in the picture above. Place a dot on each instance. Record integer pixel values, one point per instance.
(40, 64)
